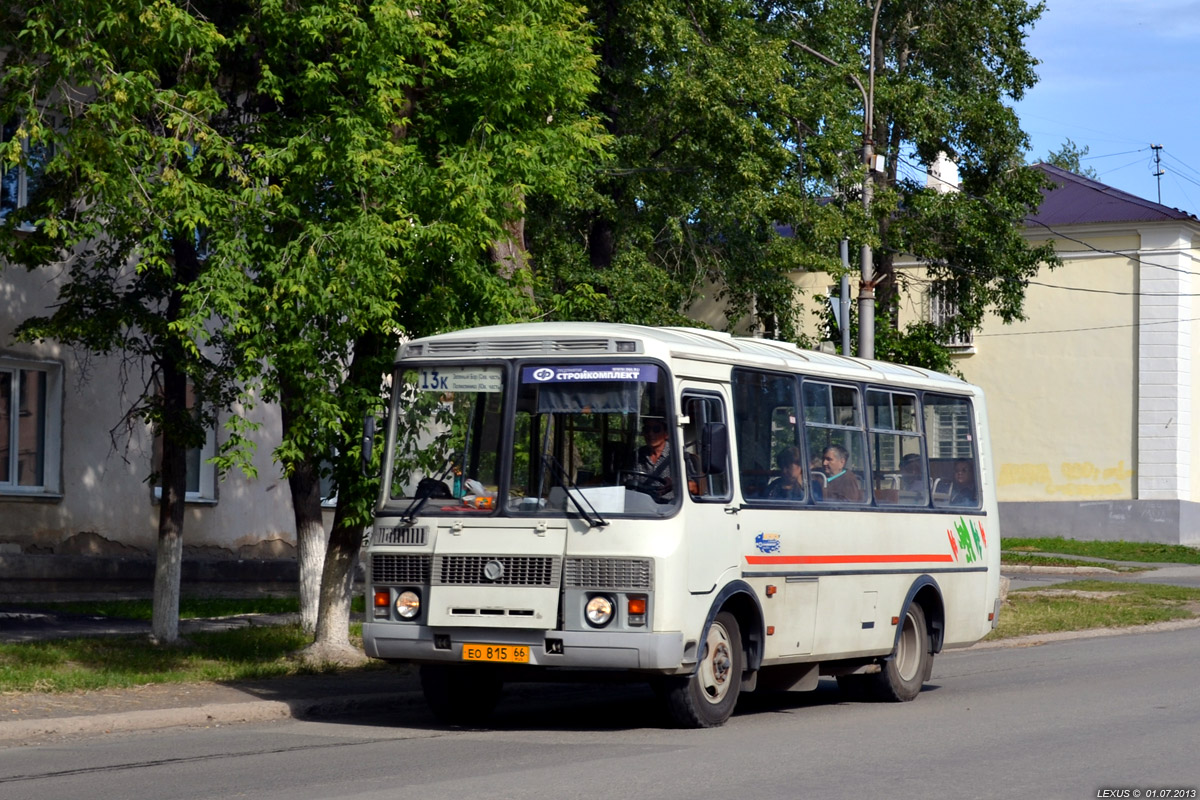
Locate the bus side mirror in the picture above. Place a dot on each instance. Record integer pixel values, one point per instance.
(368, 442)
(714, 448)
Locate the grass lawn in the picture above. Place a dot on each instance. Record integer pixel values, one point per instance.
(1080, 605)
(1147, 552)
(64, 665)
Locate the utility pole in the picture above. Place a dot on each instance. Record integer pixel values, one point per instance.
(866, 286)
(1158, 170)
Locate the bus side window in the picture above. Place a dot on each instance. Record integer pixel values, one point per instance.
(897, 466)
(768, 431)
(833, 430)
(953, 461)
(706, 417)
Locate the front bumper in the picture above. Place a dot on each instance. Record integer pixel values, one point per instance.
(579, 649)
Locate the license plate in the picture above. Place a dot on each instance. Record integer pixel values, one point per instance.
(503, 653)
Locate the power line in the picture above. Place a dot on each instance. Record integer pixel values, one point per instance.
(1136, 259)
(1090, 330)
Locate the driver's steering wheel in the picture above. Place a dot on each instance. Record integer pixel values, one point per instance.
(642, 481)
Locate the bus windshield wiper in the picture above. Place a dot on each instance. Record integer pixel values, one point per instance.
(563, 479)
(427, 488)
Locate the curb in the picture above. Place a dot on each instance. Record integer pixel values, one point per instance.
(205, 716)
(1035, 639)
(1026, 569)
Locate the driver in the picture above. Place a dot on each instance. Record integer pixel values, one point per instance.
(654, 461)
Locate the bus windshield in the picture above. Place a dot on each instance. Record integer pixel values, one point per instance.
(593, 440)
(587, 441)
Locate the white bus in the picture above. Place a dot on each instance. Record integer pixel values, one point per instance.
(710, 513)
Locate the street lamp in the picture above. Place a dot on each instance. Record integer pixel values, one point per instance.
(866, 287)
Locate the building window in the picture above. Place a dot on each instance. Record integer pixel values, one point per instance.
(201, 472)
(18, 183)
(30, 427)
(942, 311)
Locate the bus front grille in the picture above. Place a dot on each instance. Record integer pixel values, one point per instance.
(402, 535)
(388, 568)
(609, 573)
(455, 570)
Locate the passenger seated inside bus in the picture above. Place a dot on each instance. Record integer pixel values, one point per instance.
(962, 491)
(790, 483)
(841, 485)
(958, 487)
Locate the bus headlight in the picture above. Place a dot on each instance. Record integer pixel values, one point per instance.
(599, 611)
(408, 604)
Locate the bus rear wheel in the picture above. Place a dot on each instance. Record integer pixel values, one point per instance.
(459, 695)
(706, 698)
(901, 677)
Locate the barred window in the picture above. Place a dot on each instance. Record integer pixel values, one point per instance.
(942, 311)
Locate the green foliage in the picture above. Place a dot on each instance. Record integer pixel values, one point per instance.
(1070, 157)
(728, 132)
(338, 173)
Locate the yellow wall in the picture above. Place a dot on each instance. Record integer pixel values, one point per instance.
(1062, 385)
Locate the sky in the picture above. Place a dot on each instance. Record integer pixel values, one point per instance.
(1117, 76)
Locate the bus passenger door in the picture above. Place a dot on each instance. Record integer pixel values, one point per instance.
(712, 540)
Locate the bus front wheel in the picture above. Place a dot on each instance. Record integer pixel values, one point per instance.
(901, 677)
(706, 698)
(460, 695)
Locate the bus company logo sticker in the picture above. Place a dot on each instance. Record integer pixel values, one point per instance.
(967, 538)
(580, 373)
(768, 543)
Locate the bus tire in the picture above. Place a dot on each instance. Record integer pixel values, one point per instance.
(459, 695)
(901, 677)
(706, 698)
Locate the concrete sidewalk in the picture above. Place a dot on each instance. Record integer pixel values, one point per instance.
(33, 716)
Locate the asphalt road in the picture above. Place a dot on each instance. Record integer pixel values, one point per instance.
(1061, 720)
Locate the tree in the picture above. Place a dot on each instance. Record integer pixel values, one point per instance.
(727, 129)
(1070, 157)
(396, 148)
(116, 104)
(941, 77)
(298, 184)
(705, 162)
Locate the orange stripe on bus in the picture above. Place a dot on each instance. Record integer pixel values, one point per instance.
(886, 558)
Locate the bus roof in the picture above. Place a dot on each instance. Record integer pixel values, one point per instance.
(569, 339)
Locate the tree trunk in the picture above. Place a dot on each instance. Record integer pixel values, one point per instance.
(176, 427)
(509, 253)
(164, 622)
(304, 480)
(332, 641)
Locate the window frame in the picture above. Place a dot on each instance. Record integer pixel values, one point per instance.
(23, 171)
(51, 444)
(715, 411)
(941, 311)
(206, 480)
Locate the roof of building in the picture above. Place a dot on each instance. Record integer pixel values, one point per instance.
(1076, 200)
